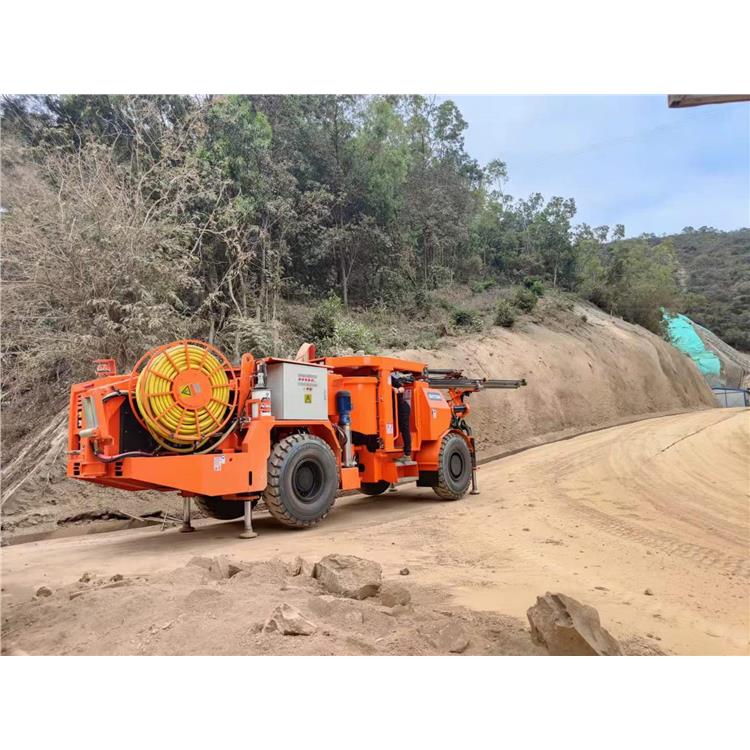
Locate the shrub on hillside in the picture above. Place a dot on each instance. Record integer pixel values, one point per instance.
(467, 319)
(534, 284)
(481, 285)
(331, 330)
(324, 317)
(524, 299)
(505, 314)
(351, 334)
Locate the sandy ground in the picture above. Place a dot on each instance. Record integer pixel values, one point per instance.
(659, 505)
(584, 368)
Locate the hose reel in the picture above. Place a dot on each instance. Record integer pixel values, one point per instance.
(185, 394)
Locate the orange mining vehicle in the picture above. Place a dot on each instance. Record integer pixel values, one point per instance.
(292, 432)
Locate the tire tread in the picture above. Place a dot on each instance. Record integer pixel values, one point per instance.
(442, 490)
(272, 493)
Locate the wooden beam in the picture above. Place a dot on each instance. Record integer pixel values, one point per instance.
(675, 101)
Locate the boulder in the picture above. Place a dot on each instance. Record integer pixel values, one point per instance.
(221, 568)
(287, 620)
(44, 591)
(300, 567)
(452, 638)
(565, 627)
(348, 575)
(393, 594)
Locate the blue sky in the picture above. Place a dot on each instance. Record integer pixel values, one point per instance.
(625, 159)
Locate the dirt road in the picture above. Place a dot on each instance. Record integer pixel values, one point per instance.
(658, 506)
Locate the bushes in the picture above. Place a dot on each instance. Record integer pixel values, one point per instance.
(323, 322)
(481, 285)
(469, 320)
(534, 284)
(524, 299)
(505, 314)
(331, 330)
(350, 334)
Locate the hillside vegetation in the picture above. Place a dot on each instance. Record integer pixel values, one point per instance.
(717, 281)
(257, 221)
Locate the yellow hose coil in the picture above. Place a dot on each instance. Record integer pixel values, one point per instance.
(184, 396)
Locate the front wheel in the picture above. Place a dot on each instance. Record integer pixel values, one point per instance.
(303, 479)
(454, 468)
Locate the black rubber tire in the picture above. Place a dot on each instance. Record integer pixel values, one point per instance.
(374, 488)
(454, 468)
(218, 507)
(303, 479)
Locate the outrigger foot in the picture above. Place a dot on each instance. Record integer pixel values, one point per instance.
(186, 525)
(248, 532)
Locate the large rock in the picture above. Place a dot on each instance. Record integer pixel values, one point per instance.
(300, 567)
(349, 576)
(287, 620)
(565, 627)
(452, 638)
(219, 568)
(393, 594)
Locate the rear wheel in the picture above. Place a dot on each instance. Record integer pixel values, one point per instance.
(218, 507)
(303, 479)
(454, 468)
(374, 488)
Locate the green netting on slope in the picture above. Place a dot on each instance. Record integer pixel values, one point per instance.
(683, 336)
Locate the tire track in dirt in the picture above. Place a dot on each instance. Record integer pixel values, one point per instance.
(706, 557)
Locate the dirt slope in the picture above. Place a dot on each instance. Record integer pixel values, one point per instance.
(659, 505)
(735, 365)
(584, 368)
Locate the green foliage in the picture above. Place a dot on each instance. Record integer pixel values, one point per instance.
(534, 284)
(717, 281)
(332, 330)
(249, 335)
(630, 278)
(354, 335)
(324, 319)
(422, 301)
(505, 314)
(524, 299)
(469, 320)
(482, 285)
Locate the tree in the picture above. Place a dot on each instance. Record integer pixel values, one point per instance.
(93, 265)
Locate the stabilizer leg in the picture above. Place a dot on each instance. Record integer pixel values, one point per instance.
(474, 486)
(248, 532)
(186, 525)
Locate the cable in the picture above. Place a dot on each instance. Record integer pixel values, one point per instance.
(184, 395)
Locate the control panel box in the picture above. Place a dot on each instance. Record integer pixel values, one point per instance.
(298, 391)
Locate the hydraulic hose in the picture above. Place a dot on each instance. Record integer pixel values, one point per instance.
(185, 396)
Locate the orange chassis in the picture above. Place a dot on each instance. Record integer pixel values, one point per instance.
(103, 419)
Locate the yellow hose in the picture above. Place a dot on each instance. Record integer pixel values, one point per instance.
(183, 396)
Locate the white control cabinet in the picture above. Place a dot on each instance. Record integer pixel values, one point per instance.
(298, 391)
